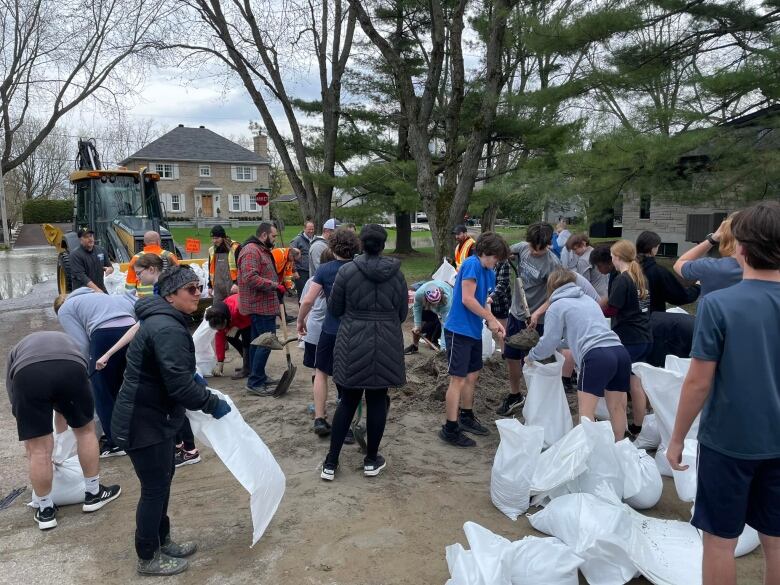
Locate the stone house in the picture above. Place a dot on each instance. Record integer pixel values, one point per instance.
(205, 176)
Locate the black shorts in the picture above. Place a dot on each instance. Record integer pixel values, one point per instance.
(309, 354)
(464, 354)
(733, 492)
(605, 368)
(323, 359)
(639, 352)
(39, 388)
(515, 325)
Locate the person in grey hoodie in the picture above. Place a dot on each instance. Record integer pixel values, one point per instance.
(603, 363)
(96, 322)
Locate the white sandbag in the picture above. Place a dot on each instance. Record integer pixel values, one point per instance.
(678, 310)
(562, 462)
(546, 405)
(663, 387)
(677, 364)
(747, 542)
(650, 436)
(67, 484)
(487, 550)
(246, 457)
(462, 566)
(205, 349)
(602, 465)
(602, 412)
(65, 446)
(541, 561)
(115, 282)
(666, 552)
(488, 343)
(598, 531)
(513, 466)
(662, 463)
(642, 483)
(446, 273)
(685, 481)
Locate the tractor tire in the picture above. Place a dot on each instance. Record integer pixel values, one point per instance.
(64, 283)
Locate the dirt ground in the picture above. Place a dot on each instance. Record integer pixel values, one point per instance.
(363, 531)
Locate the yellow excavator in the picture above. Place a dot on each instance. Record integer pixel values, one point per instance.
(119, 205)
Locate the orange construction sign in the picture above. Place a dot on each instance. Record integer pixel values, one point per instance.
(192, 245)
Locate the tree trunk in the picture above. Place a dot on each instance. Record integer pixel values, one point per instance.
(403, 237)
(489, 217)
(322, 211)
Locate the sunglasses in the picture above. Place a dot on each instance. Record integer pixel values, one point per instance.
(193, 289)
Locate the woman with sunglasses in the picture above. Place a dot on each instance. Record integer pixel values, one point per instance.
(159, 385)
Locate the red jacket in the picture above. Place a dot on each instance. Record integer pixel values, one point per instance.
(257, 280)
(236, 320)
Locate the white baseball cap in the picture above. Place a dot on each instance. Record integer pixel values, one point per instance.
(331, 224)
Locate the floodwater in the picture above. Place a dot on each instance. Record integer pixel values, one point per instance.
(22, 268)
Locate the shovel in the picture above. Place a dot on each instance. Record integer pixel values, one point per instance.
(269, 340)
(284, 382)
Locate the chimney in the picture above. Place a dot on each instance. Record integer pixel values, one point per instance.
(261, 144)
(202, 127)
(181, 125)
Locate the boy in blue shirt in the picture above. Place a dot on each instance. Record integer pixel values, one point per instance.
(734, 380)
(463, 336)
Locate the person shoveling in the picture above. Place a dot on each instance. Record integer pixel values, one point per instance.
(269, 340)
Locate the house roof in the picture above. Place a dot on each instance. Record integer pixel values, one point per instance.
(196, 145)
(288, 198)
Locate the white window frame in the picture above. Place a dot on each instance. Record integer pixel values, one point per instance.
(243, 173)
(204, 171)
(235, 199)
(167, 171)
(176, 203)
(252, 204)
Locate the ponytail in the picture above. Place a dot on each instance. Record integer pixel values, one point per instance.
(638, 276)
(626, 251)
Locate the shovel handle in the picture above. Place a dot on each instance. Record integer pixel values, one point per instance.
(284, 331)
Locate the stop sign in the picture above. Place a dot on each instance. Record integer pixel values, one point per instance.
(261, 198)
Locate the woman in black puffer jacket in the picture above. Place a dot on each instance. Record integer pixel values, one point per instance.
(159, 384)
(370, 297)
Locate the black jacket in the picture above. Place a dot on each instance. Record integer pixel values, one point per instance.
(159, 381)
(370, 297)
(665, 288)
(86, 267)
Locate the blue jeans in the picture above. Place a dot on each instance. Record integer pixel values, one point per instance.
(106, 382)
(258, 356)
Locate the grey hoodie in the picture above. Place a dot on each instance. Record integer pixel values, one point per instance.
(578, 319)
(85, 310)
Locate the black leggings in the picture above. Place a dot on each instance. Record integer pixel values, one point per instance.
(154, 468)
(376, 417)
(241, 343)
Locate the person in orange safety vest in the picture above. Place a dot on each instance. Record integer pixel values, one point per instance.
(465, 247)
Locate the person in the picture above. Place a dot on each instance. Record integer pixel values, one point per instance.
(535, 262)
(320, 243)
(558, 242)
(463, 336)
(434, 297)
(579, 261)
(369, 297)
(734, 381)
(234, 328)
(712, 273)
(603, 362)
(501, 297)
(46, 372)
(629, 307)
(662, 284)
(344, 244)
(89, 263)
(152, 245)
(96, 322)
(159, 385)
(303, 242)
(284, 262)
(465, 245)
(259, 290)
(223, 270)
(601, 260)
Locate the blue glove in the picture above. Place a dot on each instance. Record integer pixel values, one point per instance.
(199, 379)
(221, 409)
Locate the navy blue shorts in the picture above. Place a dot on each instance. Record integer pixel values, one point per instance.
(605, 368)
(323, 359)
(464, 354)
(515, 325)
(639, 352)
(309, 354)
(733, 492)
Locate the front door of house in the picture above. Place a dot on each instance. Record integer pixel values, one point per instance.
(207, 205)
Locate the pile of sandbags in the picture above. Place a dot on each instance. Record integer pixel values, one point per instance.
(115, 282)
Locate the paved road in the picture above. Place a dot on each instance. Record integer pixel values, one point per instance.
(32, 234)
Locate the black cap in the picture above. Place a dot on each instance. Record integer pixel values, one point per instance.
(373, 231)
(460, 229)
(218, 232)
(84, 231)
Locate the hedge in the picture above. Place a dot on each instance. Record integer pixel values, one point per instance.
(48, 211)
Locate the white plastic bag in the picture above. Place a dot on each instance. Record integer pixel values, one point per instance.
(115, 282)
(513, 466)
(205, 351)
(488, 344)
(747, 542)
(685, 481)
(602, 412)
(246, 457)
(677, 364)
(65, 446)
(67, 485)
(545, 404)
(541, 561)
(662, 463)
(446, 273)
(560, 464)
(602, 466)
(642, 483)
(666, 552)
(487, 549)
(462, 566)
(650, 437)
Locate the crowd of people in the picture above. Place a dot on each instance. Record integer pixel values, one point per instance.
(130, 357)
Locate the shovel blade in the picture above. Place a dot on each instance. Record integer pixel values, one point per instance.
(267, 340)
(284, 382)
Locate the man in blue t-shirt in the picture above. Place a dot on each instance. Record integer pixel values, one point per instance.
(463, 336)
(735, 378)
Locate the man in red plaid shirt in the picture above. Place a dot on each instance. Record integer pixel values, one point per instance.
(258, 294)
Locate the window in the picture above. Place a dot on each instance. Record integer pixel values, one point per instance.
(165, 170)
(243, 173)
(235, 203)
(668, 250)
(644, 206)
(175, 202)
(204, 170)
(252, 203)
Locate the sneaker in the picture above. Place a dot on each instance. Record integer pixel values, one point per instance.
(321, 427)
(46, 518)
(184, 457)
(161, 564)
(349, 439)
(109, 450)
(177, 549)
(456, 438)
(373, 467)
(261, 390)
(410, 349)
(105, 494)
(511, 404)
(328, 470)
(471, 424)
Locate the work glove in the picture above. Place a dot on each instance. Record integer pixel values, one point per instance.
(221, 409)
(200, 379)
(217, 371)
